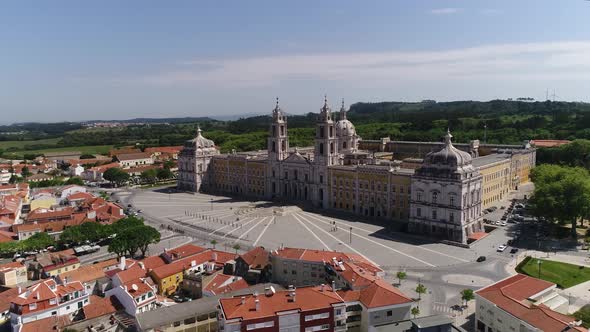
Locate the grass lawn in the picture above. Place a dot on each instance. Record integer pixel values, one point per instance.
(563, 274)
(91, 149)
(22, 144)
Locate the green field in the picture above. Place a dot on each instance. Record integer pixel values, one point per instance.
(21, 145)
(563, 274)
(91, 149)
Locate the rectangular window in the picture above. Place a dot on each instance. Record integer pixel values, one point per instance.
(52, 301)
(260, 325)
(317, 316)
(32, 306)
(317, 328)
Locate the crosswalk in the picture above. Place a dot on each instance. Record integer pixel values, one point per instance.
(442, 308)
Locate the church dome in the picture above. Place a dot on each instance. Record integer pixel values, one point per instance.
(200, 142)
(448, 156)
(344, 127)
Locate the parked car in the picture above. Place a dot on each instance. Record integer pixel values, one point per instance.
(513, 250)
(498, 223)
(481, 259)
(501, 248)
(503, 223)
(504, 217)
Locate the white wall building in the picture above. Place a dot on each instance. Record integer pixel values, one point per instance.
(446, 195)
(193, 163)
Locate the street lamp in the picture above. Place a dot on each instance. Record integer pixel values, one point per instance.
(350, 241)
(539, 265)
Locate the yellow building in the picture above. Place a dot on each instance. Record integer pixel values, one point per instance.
(523, 161)
(371, 190)
(44, 203)
(495, 171)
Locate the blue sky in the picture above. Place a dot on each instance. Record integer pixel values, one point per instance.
(77, 60)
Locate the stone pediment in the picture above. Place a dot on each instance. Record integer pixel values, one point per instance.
(296, 157)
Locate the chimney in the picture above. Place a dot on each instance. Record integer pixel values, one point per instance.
(20, 290)
(214, 256)
(65, 280)
(257, 302)
(122, 263)
(243, 300)
(141, 265)
(321, 287)
(293, 296)
(333, 285)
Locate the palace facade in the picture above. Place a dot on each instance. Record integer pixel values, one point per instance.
(439, 189)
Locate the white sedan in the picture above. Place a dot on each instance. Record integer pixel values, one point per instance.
(502, 248)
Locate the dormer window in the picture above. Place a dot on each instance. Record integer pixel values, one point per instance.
(33, 306)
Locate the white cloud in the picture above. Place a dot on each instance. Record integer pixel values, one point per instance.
(551, 60)
(445, 11)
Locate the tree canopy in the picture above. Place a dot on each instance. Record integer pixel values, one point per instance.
(116, 176)
(562, 194)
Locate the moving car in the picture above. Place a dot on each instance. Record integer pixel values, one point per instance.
(481, 259)
(501, 248)
(513, 250)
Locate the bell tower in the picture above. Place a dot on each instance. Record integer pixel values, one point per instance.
(278, 139)
(326, 143)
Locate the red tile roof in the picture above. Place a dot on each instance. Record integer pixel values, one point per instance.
(45, 290)
(380, 293)
(547, 143)
(223, 283)
(101, 306)
(131, 273)
(152, 262)
(215, 256)
(512, 295)
(256, 258)
(6, 297)
(306, 299)
(133, 156)
(182, 252)
(49, 324)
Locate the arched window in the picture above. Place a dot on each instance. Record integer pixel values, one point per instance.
(434, 198)
(452, 200)
(344, 145)
(331, 148)
(322, 149)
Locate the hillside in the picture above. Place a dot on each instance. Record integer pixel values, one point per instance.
(506, 121)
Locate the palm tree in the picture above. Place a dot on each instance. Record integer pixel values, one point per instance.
(213, 243)
(236, 247)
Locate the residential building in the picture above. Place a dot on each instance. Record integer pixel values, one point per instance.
(47, 299)
(522, 303)
(68, 190)
(5, 176)
(128, 160)
(12, 274)
(6, 295)
(223, 283)
(304, 267)
(39, 177)
(302, 309)
(53, 264)
(254, 265)
(10, 209)
(170, 276)
(136, 295)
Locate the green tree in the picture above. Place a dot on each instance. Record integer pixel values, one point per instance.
(213, 243)
(25, 172)
(415, 311)
(401, 275)
(75, 180)
(39, 241)
(420, 289)
(146, 235)
(168, 164)
(165, 173)
(72, 235)
(92, 231)
(236, 247)
(467, 295)
(149, 176)
(562, 194)
(116, 176)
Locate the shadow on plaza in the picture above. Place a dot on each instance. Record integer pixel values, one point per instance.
(391, 230)
(536, 236)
